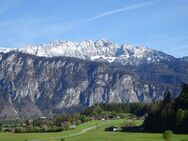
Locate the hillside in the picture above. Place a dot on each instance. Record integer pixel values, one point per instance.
(32, 86)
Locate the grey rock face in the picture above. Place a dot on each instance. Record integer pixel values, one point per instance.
(32, 86)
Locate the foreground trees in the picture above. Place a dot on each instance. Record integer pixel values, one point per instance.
(170, 114)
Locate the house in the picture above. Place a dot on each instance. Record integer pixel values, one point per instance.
(73, 126)
(43, 117)
(112, 128)
(118, 117)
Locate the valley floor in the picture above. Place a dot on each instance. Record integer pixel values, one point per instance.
(91, 131)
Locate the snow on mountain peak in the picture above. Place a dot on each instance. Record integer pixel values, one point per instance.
(5, 50)
(100, 50)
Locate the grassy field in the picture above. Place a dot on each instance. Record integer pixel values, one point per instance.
(96, 134)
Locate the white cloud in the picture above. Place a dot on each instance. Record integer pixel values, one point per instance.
(74, 24)
(24, 27)
(120, 10)
(178, 48)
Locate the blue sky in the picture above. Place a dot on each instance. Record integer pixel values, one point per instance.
(157, 24)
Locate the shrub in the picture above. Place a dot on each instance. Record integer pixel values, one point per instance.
(167, 135)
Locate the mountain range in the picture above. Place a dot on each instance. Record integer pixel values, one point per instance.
(100, 50)
(65, 76)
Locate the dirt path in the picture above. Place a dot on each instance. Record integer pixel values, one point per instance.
(71, 135)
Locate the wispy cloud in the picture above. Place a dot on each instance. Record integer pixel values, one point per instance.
(43, 28)
(165, 39)
(6, 4)
(176, 38)
(180, 48)
(120, 10)
(171, 45)
(72, 25)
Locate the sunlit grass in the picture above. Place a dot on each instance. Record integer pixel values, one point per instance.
(96, 134)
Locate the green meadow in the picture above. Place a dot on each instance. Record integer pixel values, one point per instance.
(90, 131)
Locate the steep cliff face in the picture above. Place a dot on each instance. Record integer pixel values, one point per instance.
(33, 86)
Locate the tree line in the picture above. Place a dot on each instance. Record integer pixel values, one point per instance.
(54, 124)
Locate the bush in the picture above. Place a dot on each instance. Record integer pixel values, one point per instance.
(55, 129)
(19, 130)
(167, 135)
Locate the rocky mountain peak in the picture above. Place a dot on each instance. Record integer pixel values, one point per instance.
(99, 50)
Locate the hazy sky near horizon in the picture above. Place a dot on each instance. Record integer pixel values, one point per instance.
(157, 24)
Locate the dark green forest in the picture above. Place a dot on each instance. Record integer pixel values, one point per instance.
(169, 114)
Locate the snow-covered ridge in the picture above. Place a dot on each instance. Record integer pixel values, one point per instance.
(5, 50)
(100, 50)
